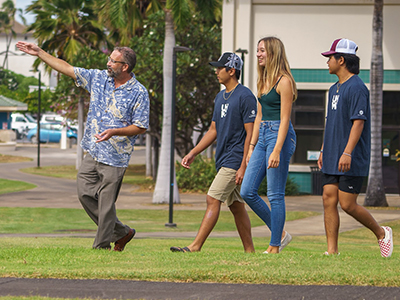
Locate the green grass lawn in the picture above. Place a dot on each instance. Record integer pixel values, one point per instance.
(222, 260)
(11, 186)
(134, 174)
(64, 220)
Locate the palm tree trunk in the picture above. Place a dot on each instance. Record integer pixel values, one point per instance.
(161, 190)
(8, 44)
(81, 129)
(375, 191)
(148, 156)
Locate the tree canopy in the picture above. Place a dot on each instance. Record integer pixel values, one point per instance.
(196, 81)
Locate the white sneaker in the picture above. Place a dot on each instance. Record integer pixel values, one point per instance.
(386, 244)
(326, 253)
(285, 241)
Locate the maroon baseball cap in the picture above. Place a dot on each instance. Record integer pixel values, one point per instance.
(342, 46)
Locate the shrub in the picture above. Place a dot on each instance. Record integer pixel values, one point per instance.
(202, 172)
(198, 178)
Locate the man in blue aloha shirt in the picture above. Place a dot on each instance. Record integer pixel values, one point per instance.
(118, 112)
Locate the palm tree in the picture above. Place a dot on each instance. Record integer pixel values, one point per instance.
(68, 29)
(161, 190)
(177, 13)
(7, 21)
(65, 27)
(375, 191)
(124, 18)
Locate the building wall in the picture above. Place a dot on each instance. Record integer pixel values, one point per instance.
(18, 63)
(307, 28)
(21, 63)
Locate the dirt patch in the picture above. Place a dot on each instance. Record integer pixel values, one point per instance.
(13, 159)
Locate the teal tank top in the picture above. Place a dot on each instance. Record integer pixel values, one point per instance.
(271, 104)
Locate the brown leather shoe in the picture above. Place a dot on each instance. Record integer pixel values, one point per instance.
(120, 244)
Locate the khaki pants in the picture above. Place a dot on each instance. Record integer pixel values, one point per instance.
(224, 188)
(98, 187)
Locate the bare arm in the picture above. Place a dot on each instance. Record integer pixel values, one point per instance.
(320, 157)
(240, 173)
(355, 134)
(123, 131)
(256, 131)
(285, 90)
(54, 62)
(204, 143)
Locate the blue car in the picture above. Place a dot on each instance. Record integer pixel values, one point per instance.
(51, 133)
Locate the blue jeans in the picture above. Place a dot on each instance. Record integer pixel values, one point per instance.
(256, 170)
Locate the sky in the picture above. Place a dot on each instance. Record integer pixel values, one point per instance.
(23, 4)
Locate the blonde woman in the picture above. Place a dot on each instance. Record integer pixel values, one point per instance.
(273, 141)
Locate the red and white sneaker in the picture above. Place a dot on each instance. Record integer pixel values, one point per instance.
(386, 244)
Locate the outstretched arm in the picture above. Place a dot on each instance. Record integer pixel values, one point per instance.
(54, 62)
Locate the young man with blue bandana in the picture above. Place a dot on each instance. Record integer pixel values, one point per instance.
(118, 112)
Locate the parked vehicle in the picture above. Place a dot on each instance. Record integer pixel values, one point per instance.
(51, 118)
(55, 118)
(21, 124)
(51, 133)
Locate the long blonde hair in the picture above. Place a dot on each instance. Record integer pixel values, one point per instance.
(276, 65)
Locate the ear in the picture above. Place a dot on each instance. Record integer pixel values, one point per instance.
(232, 72)
(341, 61)
(125, 67)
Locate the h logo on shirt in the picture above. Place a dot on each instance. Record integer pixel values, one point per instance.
(224, 110)
(335, 100)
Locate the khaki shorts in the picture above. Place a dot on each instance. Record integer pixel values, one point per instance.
(224, 188)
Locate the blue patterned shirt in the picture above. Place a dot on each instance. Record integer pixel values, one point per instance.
(112, 107)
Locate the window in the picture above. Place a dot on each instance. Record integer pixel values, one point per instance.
(308, 118)
(391, 109)
(391, 141)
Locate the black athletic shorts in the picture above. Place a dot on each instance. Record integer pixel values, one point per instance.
(347, 184)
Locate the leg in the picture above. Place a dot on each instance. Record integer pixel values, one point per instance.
(348, 202)
(276, 178)
(243, 225)
(255, 173)
(109, 228)
(331, 216)
(207, 225)
(88, 184)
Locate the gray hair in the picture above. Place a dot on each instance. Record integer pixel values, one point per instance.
(129, 57)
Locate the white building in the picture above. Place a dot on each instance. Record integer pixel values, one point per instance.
(307, 28)
(17, 61)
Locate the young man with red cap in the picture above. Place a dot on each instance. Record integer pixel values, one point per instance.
(235, 110)
(345, 154)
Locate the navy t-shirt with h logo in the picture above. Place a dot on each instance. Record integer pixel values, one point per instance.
(229, 116)
(347, 102)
